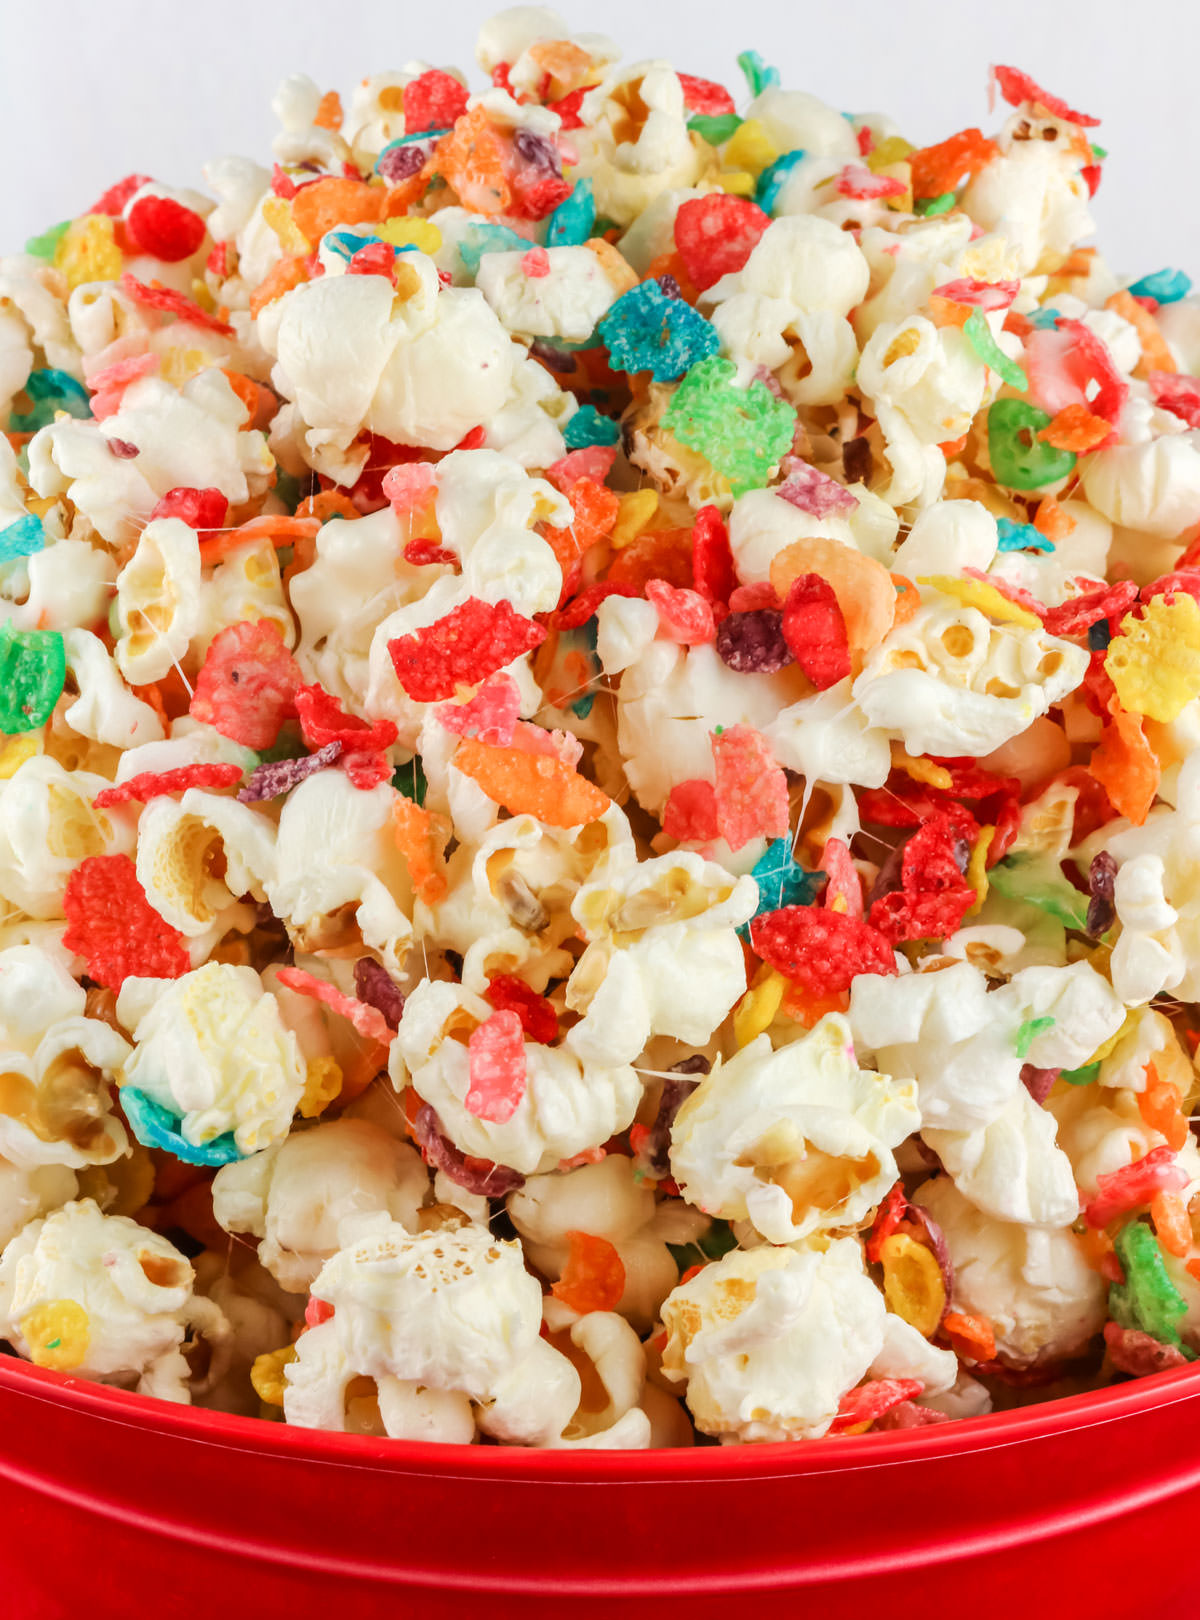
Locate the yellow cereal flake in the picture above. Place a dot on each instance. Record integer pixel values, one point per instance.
(921, 769)
(1155, 662)
(895, 149)
(737, 182)
(912, 1282)
(419, 233)
(277, 212)
(750, 147)
(977, 868)
(266, 1374)
(633, 514)
(15, 752)
(58, 1334)
(756, 1011)
(322, 1083)
(977, 593)
(88, 252)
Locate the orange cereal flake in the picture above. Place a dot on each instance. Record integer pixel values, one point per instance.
(970, 1335)
(1126, 766)
(319, 207)
(1051, 521)
(1076, 428)
(531, 784)
(1156, 356)
(329, 111)
(593, 1278)
(942, 168)
(472, 160)
(280, 279)
(421, 837)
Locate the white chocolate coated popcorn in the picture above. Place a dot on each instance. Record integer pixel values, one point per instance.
(132, 1287)
(770, 1339)
(795, 1141)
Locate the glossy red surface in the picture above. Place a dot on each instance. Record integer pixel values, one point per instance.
(114, 1507)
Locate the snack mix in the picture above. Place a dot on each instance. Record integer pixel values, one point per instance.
(600, 778)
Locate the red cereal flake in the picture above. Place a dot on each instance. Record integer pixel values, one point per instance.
(871, 1400)
(934, 896)
(594, 461)
(712, 557)
(1134, 1185)
(539, 1021)
(1178, 394)
(1077, 614)
(716, 234)
(114, 199)
(754, 598)
(376, 259)
(892, 1211)
(497, 1060)
(153, 784)
(593, 1278)
(751, 789)
(985, 295)
(1017, 87)
(690, 814)
(201, 509)
(581, 608)
(112, 925)
(471, 642)
(815, 630)
(172, 303)
(323, 721)
(366, 769)
(843, 892)
(367, 1020)
(703, 98)
(661, 554)
(1069, 365)
(941, 168)
(248, 684)
(490, 715)
(433, 100)
(425, 553)
(568, 108)
(165, 229)
(683, 615)
(857, 181)
(824, 951)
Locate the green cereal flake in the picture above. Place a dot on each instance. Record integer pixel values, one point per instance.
(742, 432)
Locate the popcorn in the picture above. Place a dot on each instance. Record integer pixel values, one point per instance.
(833, 814)
(794, 1141)
(451, 1312)
(295, 1195)
(571, 1102)
(212, 1049)
(105, 1299)
(768, 1340)
(1032, 1283)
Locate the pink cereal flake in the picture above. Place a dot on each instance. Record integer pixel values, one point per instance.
(497, 1060)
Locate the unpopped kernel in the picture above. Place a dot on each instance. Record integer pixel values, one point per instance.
(590, 640)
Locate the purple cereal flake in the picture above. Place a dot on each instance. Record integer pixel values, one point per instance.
(1038, 1082)
(402, 162)
(1102, 911)
(279, 776)
(814, 492)
(752, 643)
(908, 1415)
(538, 152)
(670, 287)
(473, 1175)
(655, 1151)
(123, 449)
(374, 985)
(557, 359)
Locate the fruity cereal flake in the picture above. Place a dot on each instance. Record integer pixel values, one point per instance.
(600, 767)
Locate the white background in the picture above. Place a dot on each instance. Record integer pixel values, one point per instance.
(92, 89)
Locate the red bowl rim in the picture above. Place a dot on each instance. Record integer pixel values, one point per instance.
(698, 1464)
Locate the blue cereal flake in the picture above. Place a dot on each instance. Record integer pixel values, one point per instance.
(1044, 319)
(1021, 537)
(573, 221)
(647, 331)
(758, 75)
(347, 243)
(742, 433)
(51, 391)
(774, 177)
(155, 1127)
(588, 426)
(1164, 286)
(782, 881)
(482, 238)
(22, 538)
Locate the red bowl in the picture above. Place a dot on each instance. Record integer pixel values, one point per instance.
(115, 1507)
